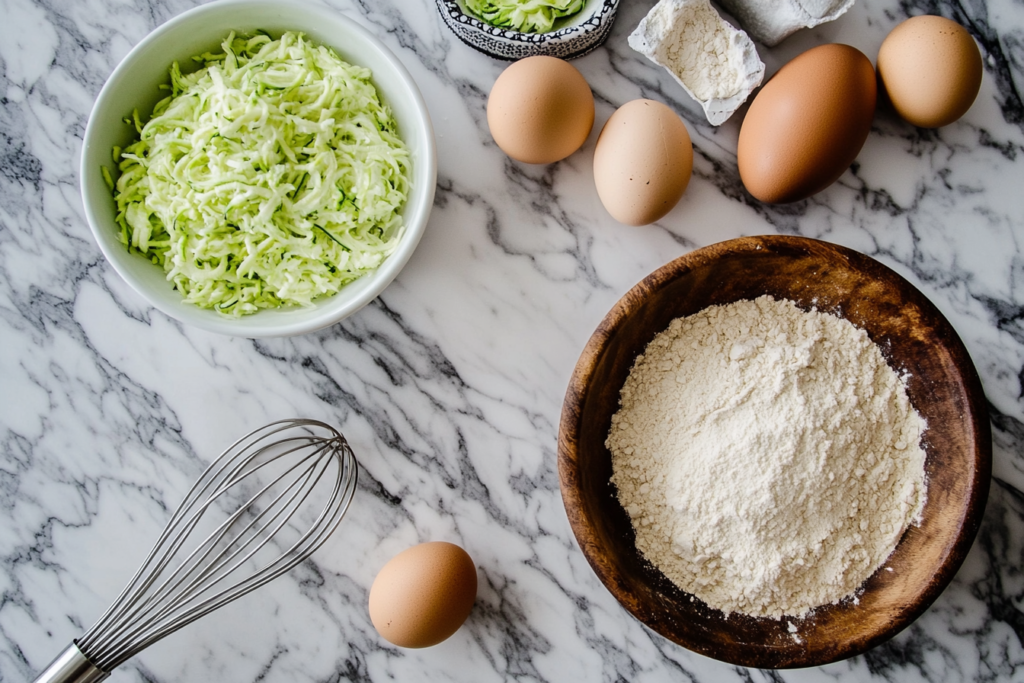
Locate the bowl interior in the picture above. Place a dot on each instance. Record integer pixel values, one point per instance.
(133, 85)
(915, 339)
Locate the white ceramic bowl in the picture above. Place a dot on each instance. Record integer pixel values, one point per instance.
(573, 36)
(133, 84)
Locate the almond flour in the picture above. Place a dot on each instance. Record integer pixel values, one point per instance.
(769, 459)
(715, 63)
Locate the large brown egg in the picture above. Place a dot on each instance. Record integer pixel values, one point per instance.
(807, 125)
(540, 110)
(642, 162)
(930, 67)
(423, 594)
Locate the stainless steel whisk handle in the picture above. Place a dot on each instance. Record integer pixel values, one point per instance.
(71, 666)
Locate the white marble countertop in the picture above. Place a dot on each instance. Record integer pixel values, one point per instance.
(450, 385)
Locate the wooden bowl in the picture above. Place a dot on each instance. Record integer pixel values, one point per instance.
(914, 337)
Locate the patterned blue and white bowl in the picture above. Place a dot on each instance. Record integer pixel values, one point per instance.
(574, 37)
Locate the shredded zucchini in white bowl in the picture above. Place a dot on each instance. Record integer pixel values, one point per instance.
(273, 175)
(288, 172)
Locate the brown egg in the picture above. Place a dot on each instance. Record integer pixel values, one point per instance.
(807, 124)
(930, 68)
(423, 594)
(540, 110)
(642, 162)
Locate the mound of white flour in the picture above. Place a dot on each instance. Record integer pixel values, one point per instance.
(768, 458)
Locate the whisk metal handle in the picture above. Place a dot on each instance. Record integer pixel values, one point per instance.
(71, 666)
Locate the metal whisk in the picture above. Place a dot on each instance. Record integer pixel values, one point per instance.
(267, 487)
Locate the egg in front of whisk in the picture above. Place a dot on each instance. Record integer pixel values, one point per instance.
(423, 595)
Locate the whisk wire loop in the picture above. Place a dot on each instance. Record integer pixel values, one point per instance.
(179, 583)
(199, 566)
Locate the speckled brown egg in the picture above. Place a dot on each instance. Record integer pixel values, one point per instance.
(540, 110)
(423, 594)
(930, 68)
(642, 162)
(807, 124)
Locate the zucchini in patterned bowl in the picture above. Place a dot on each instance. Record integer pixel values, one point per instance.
(514, 29)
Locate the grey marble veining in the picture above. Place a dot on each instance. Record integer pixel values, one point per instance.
(449, 386)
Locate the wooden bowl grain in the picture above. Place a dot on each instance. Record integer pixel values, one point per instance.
(914, 337)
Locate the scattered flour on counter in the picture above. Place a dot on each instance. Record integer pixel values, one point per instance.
(768, 458)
